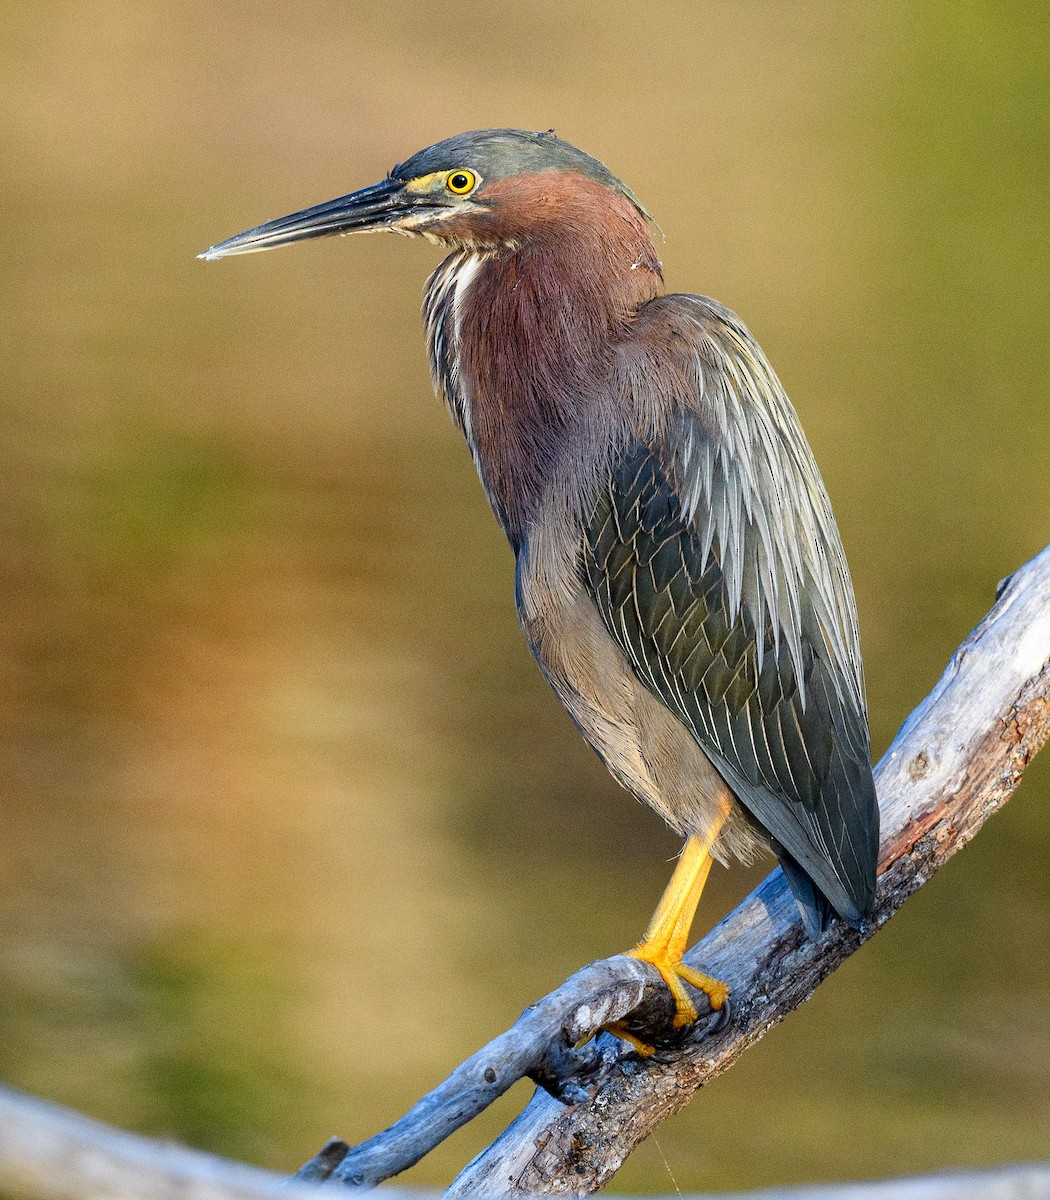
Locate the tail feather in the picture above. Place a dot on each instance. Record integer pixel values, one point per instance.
(813, 905)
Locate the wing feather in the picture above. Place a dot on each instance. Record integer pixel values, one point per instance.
(714, 559)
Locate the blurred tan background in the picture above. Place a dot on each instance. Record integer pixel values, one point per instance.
(290, 822)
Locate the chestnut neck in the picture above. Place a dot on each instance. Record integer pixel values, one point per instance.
(538, 330)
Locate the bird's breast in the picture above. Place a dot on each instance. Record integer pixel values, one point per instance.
(523, 367)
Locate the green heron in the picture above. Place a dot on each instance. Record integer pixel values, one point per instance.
(680, 578)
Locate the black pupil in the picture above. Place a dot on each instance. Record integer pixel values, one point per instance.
(460, 182)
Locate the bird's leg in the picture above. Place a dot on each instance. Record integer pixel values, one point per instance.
(667, 935)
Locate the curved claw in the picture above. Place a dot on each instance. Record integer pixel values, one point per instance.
(719, 1019)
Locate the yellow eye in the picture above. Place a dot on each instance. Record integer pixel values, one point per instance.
(461, 182)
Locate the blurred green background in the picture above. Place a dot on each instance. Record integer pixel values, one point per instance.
(291, 824)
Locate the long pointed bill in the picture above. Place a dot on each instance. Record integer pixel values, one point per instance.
(377, 207)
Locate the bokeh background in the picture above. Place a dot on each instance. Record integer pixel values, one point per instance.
(290, 823)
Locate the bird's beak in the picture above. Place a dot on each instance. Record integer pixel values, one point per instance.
(380, 206)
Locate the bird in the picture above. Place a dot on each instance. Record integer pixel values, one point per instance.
(679, 575)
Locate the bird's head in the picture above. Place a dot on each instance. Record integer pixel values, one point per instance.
(486, 188)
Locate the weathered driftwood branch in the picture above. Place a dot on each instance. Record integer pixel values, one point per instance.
(539, 1046)
(956, 760)
(1020, 1182)
(50, 1153)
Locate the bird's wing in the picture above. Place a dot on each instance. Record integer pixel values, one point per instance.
(715, 562)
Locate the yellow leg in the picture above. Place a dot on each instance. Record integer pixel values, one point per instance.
(667, 936)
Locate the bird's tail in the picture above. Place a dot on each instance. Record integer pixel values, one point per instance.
(813, 905)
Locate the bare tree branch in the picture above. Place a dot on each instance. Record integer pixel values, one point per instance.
(539, 1046)
(51, 1153)
(1022, 1182)
(48, 1152)
(956, 760)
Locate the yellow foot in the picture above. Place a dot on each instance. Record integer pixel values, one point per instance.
(673, 971)
(667, 936)
(619, 1029)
